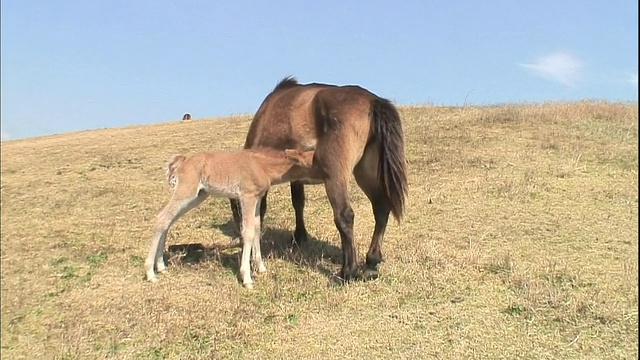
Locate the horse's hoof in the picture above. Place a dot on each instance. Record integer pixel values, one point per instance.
(153, 279)
(341, 279)
(336, 280)
(248, 286)
(349, 275)
(370, 274)
(299, 238)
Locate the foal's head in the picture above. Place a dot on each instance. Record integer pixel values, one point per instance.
(299, 157)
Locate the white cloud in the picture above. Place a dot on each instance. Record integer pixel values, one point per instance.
(560, 67)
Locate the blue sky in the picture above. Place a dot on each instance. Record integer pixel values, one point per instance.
(76, 65)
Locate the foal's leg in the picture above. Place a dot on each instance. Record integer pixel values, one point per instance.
(237, 212)
(257, 253)
(249, 209)
(200, 197)
(160, 266)
(177, 206)
(300, 234)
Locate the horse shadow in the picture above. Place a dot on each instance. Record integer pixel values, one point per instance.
(275, 243)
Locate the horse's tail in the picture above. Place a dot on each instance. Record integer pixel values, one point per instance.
(392, 165)
(172, 166)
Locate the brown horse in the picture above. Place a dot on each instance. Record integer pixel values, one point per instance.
(352, 131)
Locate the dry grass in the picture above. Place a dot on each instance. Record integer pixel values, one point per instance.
(520, 241)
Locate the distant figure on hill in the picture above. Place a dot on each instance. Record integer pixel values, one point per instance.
(186, 116)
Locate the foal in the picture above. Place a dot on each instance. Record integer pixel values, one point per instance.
(244, 175)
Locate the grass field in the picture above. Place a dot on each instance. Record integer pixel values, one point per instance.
(520, 241)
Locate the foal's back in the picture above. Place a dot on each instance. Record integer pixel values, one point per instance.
(227, 174)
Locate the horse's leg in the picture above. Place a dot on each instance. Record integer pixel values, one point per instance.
(236, 212)
(263, 208)
(374, 255)
(300, 234)
(338, 194)
(257, 253)
(366, 177)
(177, 206)
(249, 206)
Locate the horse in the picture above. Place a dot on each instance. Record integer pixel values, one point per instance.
(352, 131)
(245, 175)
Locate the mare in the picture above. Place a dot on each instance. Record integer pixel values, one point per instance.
(352, 131)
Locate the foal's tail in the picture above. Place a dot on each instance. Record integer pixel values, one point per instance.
(392, 165)
(173, 165)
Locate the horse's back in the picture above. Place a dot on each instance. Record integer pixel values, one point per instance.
(295, 115)
(285, 119)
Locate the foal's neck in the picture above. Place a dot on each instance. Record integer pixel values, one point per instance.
(279, 168)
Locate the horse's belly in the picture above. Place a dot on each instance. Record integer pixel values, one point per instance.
(292, 131)
(308, 143)
(312, 181)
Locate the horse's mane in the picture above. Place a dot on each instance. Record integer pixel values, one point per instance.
(286, 83)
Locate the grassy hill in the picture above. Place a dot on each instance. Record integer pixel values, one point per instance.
(520, 241)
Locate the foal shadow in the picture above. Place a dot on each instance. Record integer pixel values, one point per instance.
(229, 229)
(194, 254)
(274, 243)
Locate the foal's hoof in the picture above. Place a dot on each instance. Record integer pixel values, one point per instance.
(248, 286)
(152, 279)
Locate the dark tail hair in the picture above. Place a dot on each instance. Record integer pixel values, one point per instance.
(173, 165)
(392, 165)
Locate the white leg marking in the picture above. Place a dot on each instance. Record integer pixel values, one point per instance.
(257, 253)
(174, 209)
(248, 233)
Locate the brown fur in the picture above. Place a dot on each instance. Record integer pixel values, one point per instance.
(352, 131)
(245, 175)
